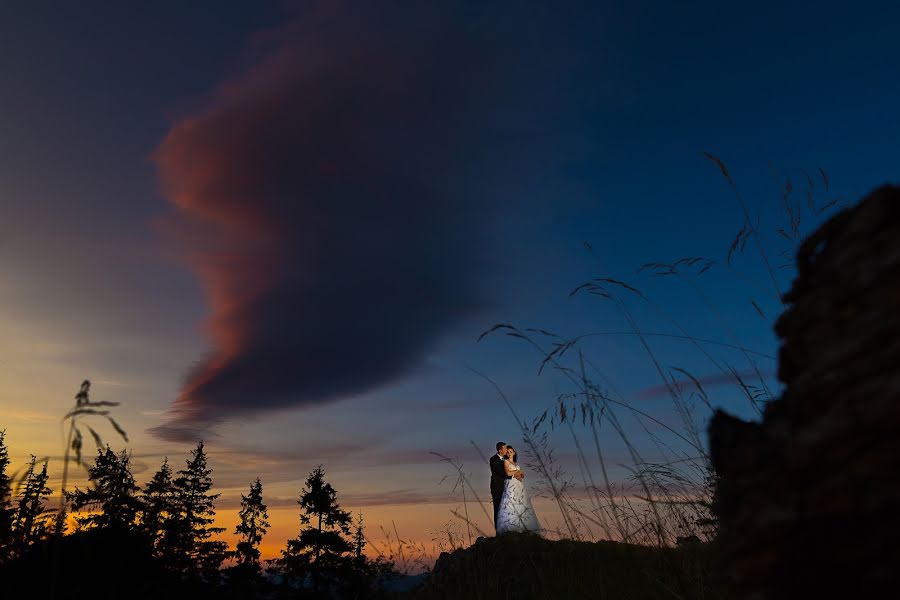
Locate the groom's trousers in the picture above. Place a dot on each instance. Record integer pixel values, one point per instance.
(496, 494)
(498, 477)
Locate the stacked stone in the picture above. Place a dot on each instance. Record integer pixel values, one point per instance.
(809, 499)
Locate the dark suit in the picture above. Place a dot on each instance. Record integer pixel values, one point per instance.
(498, 477)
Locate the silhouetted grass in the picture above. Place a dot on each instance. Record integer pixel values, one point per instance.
(84, 408)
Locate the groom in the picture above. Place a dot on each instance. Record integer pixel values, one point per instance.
(498, 477)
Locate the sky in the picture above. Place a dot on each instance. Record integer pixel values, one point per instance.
(281, 227)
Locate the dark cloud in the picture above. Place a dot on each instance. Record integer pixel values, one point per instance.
(324, 199)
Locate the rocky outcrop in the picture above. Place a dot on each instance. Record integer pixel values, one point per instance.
(524, 566)
(808, 500)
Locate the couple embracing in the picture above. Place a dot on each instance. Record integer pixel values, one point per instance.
(512, 506)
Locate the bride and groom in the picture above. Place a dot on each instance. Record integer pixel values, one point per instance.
(512, 506)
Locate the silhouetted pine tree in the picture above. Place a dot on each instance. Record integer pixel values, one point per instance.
(158, 508)
(367, 574)
(360, 583)
(193, 552)
(321, 550)
(112, 497)
(245, 578)
(6, 505)
(359, 543)
(253, 526)
(30, 521)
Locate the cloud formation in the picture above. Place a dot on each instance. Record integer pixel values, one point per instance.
(323, 192)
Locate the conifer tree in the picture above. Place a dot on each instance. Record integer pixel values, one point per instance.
(112, 497)
(253, 526)
(158, 508)
(30, 521)
(367, 574)
(359, 542)
(6, 503)
(193, 552)
(321, 550)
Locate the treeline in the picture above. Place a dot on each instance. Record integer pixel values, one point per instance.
(166, 527)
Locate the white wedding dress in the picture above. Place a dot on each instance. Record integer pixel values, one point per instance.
(515, 512)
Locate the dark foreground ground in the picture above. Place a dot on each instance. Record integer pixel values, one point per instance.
(520, 566)
(99, 567)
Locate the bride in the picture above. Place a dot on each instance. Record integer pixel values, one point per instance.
(515, 512)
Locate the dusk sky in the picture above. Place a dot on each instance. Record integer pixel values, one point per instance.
(281, 227)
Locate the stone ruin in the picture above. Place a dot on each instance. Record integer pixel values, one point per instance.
(808, 500)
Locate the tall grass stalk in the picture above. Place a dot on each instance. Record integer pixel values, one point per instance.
(83, 408)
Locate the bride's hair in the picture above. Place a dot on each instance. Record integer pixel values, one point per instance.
(515, 457)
